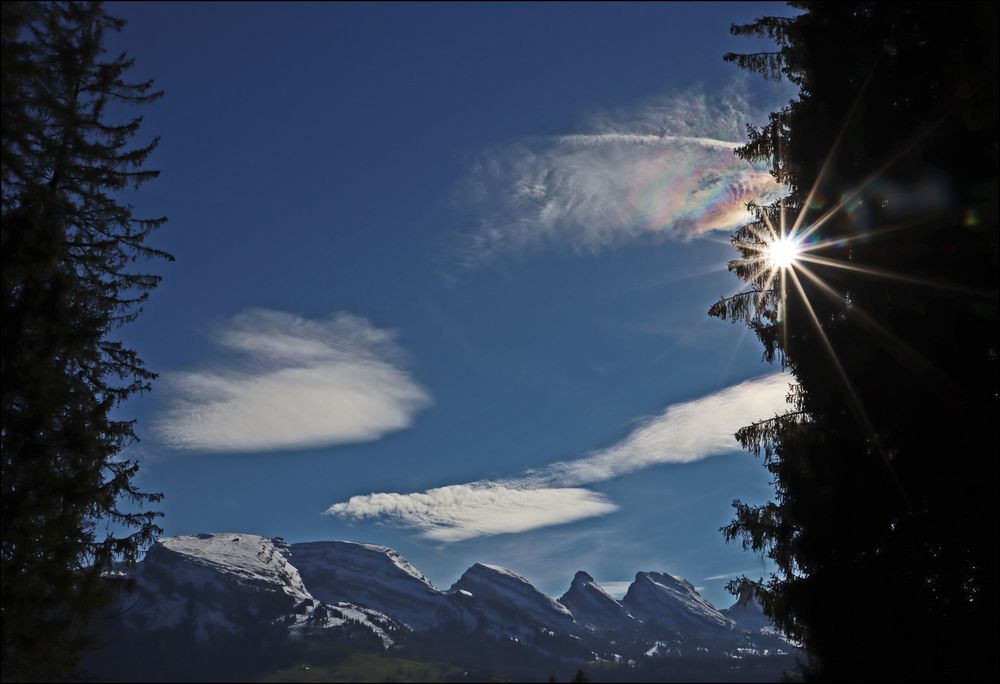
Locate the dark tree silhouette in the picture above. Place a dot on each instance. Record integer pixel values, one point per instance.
(883, 526)
(70, 507)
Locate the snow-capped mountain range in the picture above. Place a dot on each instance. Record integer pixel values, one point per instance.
(205, 591)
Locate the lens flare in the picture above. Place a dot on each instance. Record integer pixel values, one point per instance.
(783, 252)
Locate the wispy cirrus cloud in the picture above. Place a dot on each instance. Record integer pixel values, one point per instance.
(684, 432)
(731, 575)
(292, 382)
(665, 169)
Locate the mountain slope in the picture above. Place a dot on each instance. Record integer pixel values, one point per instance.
(498, 600)
(372, 576)
(749, 616)
(207, 606)
(671, 603)
(222, 583)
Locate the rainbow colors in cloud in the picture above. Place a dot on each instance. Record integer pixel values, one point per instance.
(590, 191)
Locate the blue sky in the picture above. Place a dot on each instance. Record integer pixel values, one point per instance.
(425, 252)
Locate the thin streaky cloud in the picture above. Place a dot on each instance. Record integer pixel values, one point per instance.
(730, 575)
(684, 432)
(292, 382)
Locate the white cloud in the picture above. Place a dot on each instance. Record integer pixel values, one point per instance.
(293, 382)
(459, 512)
(689, 431)
(685, 432)
(665, 169)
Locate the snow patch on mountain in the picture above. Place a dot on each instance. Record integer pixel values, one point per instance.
(327, 618)
(248, 559)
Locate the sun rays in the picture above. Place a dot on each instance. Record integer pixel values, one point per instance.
(785, 264)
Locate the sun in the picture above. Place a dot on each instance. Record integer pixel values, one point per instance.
(783, 252)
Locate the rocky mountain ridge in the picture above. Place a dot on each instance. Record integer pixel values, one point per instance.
(216, 595)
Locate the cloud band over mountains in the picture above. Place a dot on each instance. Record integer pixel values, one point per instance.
(292, 382)
(684, 432)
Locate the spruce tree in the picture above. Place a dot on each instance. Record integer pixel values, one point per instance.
(883, 527)
(69, 241)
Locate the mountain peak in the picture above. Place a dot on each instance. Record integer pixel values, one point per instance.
(500, 600)
(380, 554)
(594, 607)
(673, 602)
(482, 574)
(489, 568)
(663, 578)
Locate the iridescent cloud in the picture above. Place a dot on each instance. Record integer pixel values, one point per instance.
(665, 171)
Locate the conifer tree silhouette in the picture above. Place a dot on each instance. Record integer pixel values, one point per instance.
(70, 506)
(883, 527)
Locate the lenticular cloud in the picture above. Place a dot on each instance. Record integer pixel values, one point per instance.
(292, 382)
(666, 170)
(466, 511)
